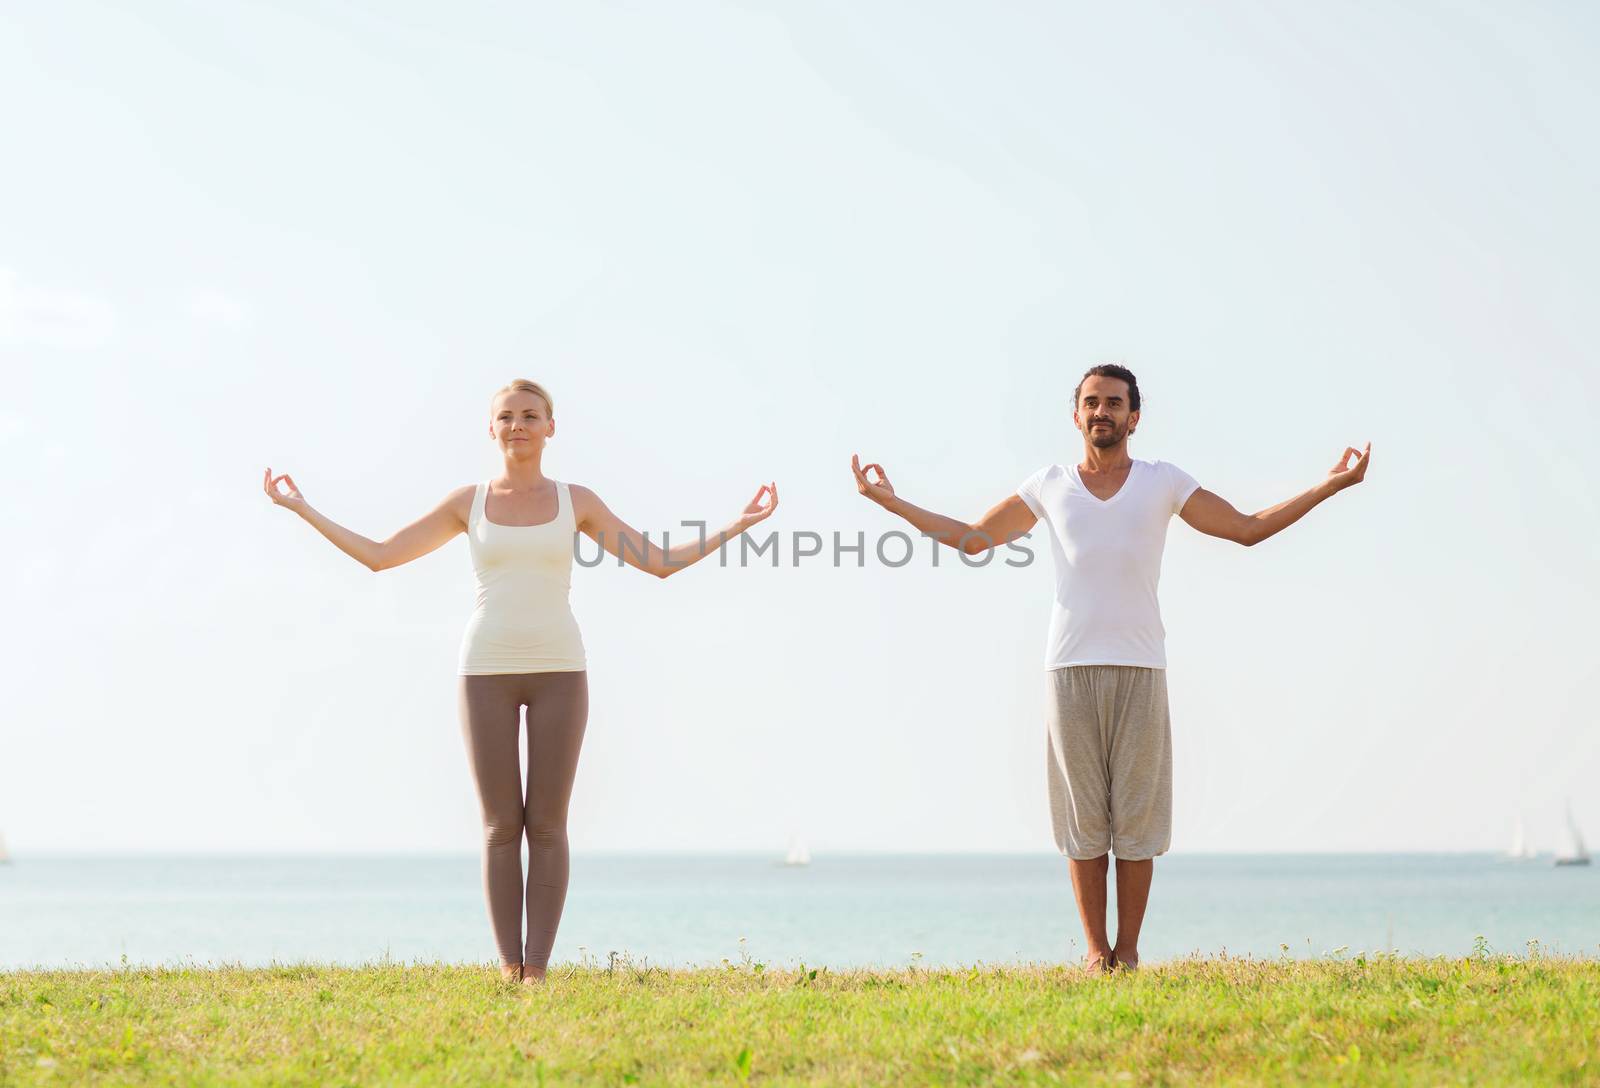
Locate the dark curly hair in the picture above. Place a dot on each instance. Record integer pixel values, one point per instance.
(1111, 370)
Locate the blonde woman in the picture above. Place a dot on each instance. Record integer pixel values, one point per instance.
(522, 649)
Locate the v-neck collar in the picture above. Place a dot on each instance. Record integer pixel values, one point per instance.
(1078, 480)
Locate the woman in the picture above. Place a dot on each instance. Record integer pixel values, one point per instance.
(522, 648)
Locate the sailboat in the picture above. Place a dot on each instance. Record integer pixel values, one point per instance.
(1520, 851)
(798, 854)
(1575, 853)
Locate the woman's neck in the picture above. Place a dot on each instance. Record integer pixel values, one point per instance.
(523, 475)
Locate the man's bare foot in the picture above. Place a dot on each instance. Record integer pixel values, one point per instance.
(531, 975)
(1124, 961)
(511, 972)
(1098, 962)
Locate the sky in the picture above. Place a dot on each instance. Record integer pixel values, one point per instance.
(740, 242)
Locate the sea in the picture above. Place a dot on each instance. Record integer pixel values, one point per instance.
(839, 911)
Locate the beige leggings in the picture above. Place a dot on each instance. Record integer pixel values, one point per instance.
(558, 710)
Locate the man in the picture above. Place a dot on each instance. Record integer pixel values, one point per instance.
(1109, 739)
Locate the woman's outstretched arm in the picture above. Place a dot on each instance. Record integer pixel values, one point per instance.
(426, 534)
(598, 523)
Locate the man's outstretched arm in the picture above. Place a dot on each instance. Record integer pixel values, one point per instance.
(1214, 516)
(1005, 522)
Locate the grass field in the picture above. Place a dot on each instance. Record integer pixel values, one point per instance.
(1485, 1019)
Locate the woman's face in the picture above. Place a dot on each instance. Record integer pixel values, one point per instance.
(520, 424)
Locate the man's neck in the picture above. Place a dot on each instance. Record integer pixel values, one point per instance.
(1107, 460)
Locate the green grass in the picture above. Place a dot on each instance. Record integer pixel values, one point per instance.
(1481, 1020)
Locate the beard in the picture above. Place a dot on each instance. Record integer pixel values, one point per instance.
(1108, 436)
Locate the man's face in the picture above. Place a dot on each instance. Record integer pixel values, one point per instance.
(1102, 413)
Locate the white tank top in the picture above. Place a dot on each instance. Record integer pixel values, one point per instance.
(523, 621)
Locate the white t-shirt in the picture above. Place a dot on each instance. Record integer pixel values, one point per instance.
(1108, 562)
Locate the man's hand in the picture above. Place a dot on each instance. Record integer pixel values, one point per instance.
(881, 491)
(1344, 474)
(1215, 516)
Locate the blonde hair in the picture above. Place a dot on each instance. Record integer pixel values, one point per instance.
(523, 385)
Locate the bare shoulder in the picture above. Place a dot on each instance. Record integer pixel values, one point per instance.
(583, 498)
(459, 502)
(586, 505)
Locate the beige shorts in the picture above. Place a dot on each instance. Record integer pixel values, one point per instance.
(1110, 761)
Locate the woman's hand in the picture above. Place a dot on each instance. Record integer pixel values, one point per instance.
(755, 512)
(881, 491)
(293, 500)
(1344, 474)
(419, 538)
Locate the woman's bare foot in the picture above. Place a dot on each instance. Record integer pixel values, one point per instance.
(531, 975)
(1098, 961)
(1124, 961)
(511, 972)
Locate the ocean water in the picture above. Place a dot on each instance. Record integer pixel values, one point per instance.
(840, 911)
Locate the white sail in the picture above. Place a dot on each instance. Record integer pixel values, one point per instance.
(1576, 850)
(1519, 843)
(4, 857)
(798, 854)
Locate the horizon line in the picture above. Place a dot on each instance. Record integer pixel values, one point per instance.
(714, 853)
